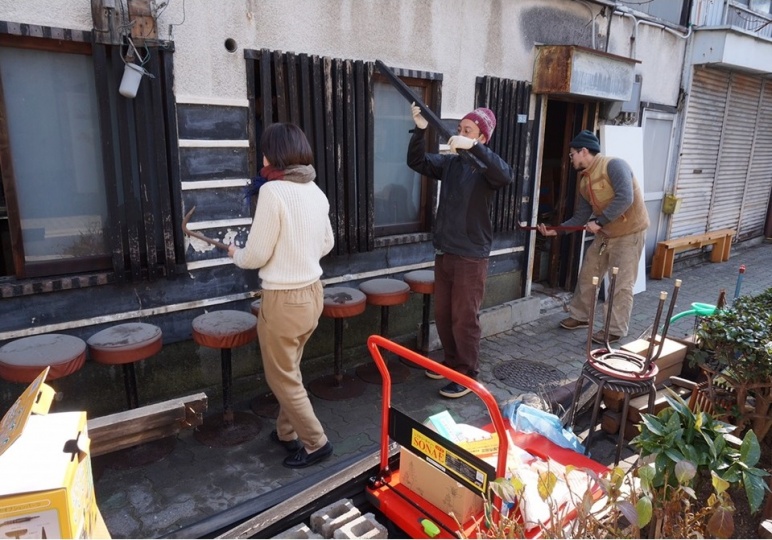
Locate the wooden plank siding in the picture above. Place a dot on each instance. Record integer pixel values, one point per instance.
(140, 185)
(511, 140)
(216, 164)
(331, 99)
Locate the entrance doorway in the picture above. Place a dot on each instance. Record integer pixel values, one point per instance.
(557, 259)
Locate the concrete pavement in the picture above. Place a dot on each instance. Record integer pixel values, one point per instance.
(170, 497)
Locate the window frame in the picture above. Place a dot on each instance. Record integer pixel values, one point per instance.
(144, 233)
(428, 187)
(331, 99)
(21, 267)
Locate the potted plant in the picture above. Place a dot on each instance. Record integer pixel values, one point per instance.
(735, 350)
(682, 449)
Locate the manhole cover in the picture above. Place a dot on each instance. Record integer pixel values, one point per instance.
(526, 374)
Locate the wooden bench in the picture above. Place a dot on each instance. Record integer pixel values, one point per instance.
(662, 263)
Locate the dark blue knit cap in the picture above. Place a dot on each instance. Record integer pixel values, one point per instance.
(586, 139)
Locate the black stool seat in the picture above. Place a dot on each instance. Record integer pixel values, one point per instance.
(22, 360)
(225, 330)
(422, 282)
(619, 370)
(340, 303)
(384, 292)
(627, 387)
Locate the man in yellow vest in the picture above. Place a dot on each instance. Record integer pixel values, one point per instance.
(611, 207)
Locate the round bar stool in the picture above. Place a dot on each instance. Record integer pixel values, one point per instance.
(225, 330)
(340, 303)
(125, 344)
(422, 282)
(264, 405)
(22, 360)
(384, 292)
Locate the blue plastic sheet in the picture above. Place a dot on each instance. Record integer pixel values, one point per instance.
(527, 419)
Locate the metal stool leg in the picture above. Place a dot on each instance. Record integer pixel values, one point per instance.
(130, 382)
(622, 423)
(399, 372)
(337, 386)
(338, 354)
(594, 419)
(426, 313)
(577, 394)
(227, 411)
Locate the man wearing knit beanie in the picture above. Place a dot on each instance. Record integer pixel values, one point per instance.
(611, 207)
(462, 235)
(485, 121)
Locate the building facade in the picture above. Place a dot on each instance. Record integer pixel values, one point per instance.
(98, 177)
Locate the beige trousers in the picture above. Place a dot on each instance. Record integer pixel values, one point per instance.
(287, 319)
(624, 252)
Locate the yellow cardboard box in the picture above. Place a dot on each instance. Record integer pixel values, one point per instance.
(438, 488)
(47, 488)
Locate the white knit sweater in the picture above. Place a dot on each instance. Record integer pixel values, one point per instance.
(290, 233)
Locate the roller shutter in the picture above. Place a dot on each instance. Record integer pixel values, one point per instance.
(757, 192)
(705, 113)
(725, 171)
(734, 157)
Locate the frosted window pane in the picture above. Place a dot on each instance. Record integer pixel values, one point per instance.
(762, 6)
(397, 187)
(50, 99)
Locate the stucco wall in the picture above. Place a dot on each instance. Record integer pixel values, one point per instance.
(660, 52)
(462, 39)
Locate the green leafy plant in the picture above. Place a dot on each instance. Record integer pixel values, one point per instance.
(681, 447)
(735, 350)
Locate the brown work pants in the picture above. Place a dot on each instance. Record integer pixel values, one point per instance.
(624, 252)
(287, 319)
(459, 285)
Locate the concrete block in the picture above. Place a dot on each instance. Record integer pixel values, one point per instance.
(365, 526)
(298, 531)
(498, 319)
(333, 516)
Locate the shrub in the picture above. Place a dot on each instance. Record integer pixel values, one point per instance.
(735, 349)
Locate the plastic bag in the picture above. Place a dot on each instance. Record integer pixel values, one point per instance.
(528, 419)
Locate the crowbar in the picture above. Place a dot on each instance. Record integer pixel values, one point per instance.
(198, 235)
(551, 227)
(426, 112)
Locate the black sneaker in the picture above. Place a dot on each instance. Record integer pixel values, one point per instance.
(433, 375)
(290, 446)
(454, 390)
(303, 459)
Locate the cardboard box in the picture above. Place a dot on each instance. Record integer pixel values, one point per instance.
(438, 488)
(47, 488)
(670, 360)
